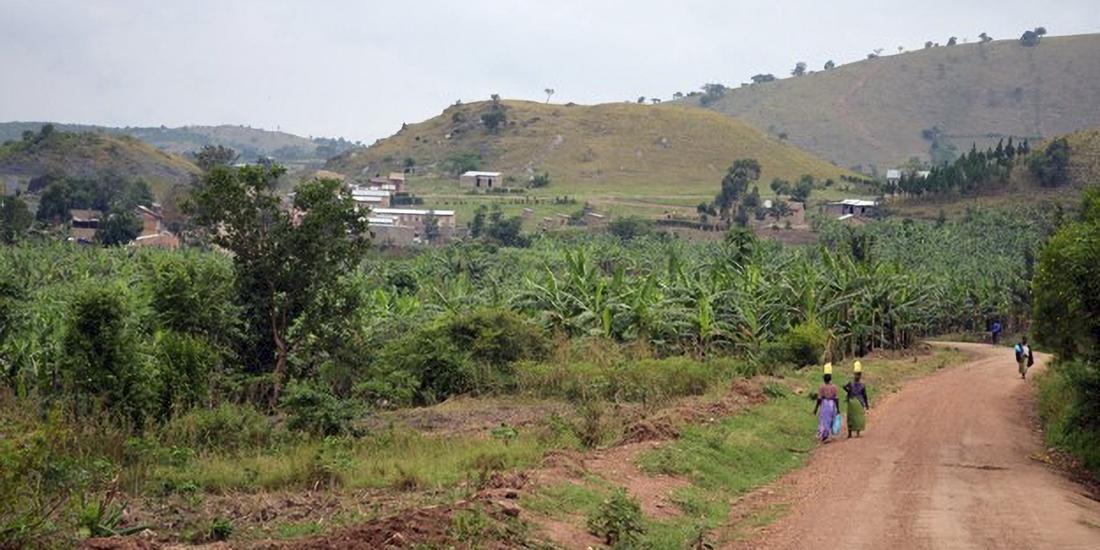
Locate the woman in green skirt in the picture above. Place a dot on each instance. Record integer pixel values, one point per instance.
(857, 402)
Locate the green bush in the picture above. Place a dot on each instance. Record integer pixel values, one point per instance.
(618, 520)
(100, 361)
(227, 427)
(312, 409)
(36, 480)
(1068, 416)
(185, 364)
(462, 353)
(802, 345)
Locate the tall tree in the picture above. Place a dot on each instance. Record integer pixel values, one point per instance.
(799, 69)
(211, 156)
(287, 260)
(119, 227)
(549, 92)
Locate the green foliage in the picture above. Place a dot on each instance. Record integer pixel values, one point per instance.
(312, 409)
(1066, 318)
(474, 351)
(711, 93)
(618, 521)
(1051, 165)
(186, 365)
(37, 479)
(118, 227)
(630, 227)
(100, 361)
(211, 156)
(225, 428)
(15, 219)
(805, 344)
(460, 162)
(285, 264)
(1068, 408)
(540, 180)
(644, 381)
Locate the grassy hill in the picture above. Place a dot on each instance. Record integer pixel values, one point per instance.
(621, 159)
(875, 112)
(251, 143)
(617, 149)
(89, 155)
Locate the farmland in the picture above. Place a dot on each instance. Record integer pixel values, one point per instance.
(137, 402)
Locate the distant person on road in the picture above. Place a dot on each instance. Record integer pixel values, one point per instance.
(827, 405)
(996, 331)
(856, 399)
(1024, 357)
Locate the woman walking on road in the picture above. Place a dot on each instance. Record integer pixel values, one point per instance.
(856, 399)
(827, 405)
(1024, 357)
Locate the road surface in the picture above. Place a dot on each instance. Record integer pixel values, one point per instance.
(945, 463)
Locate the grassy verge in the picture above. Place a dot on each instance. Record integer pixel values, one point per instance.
(731, 457)
(399, 459)
(1062, 411)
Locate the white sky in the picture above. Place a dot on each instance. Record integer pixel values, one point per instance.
(358, 69)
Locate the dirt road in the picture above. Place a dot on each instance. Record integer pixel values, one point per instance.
(945, 463)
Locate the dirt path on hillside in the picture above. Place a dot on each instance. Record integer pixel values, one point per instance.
(947, 462)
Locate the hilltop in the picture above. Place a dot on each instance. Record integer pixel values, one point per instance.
(880, 112)
(250, 143)
(92, 155)
(620, 148)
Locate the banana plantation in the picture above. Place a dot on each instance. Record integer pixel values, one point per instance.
(881, 286)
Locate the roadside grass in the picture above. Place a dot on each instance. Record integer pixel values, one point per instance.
(403, 460)
(736, 455)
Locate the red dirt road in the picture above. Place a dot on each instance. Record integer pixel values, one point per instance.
(945, 463)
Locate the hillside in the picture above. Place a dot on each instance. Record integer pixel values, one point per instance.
(875, 112)
(87, 155)
(249, 142)
(1084, 157)
(618, 148)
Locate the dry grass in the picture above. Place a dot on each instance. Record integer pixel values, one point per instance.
(610, 149)
(872, 112)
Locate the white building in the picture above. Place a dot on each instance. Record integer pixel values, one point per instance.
(481, 180)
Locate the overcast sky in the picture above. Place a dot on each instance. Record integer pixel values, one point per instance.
(358, 69)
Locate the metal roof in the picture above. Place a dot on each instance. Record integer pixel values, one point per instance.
(477, 173)
(412, 212)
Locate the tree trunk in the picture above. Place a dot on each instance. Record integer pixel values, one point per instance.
(278, 328)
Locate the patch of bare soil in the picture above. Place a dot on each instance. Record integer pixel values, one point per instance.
(666, 423)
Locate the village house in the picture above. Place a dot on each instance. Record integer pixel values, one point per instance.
(405, 226)
(480, 180)
(83, 225)
(372, 198)
(893, 176)
(852, 208)
(153, 232)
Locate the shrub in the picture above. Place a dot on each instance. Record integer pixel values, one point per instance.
(463, 353)
(802, 345)
(1068, 415)
(36, 480)
(314, 410)
(99, 359)
(226, 427)
(185, 364)
(618, 520)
